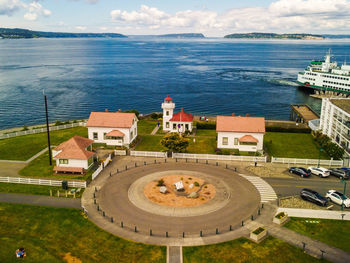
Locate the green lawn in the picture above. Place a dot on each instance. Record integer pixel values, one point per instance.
(33, 189)
(292, 145)
(150, 143)
(48, 234)
(244, 250)
(145, 127)
(203, 145)
(40, 167)
(24, 147)
(201, 132)
(333, 232)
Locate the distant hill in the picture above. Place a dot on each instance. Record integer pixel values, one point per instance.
(274, 36)
(25, 33)
(336, 36)
(184, 35)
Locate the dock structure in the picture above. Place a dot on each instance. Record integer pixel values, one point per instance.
(302, 113)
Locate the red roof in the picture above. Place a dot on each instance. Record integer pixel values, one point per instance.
(182, 116)
(168, 98)
(240, 124)
(248, 138)
(111, 119)
(115, 133)
(74, 148)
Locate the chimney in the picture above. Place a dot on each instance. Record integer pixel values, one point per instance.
(119, 110)
(106, 110)
(182, 109)
(233, 115)
(247, 115)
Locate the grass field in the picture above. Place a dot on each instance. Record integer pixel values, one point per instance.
(50, 234)
(333, 232)
(150, 143)
(292, 145)
(243, 250)
(145, 127)
(40, 167)
(201, 132)
(202, 145)
(24, 147)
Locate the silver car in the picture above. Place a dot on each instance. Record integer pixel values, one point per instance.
(338, 198)
(319, 171)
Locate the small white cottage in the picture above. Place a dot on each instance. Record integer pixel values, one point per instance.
(242, 133)
(175, 122)
(112, 128)
(74, 155)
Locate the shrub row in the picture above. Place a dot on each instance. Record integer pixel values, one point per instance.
(331, 148)
(205, 125)
(286, 129)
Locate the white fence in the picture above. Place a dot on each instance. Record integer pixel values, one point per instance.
(120, 152)
(21, 180)
(102, 166)
(307, 161)
(148, 154)
(220, 157)
(40, 130)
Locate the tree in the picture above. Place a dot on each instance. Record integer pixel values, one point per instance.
(334, 151)
(175, 142)
(137, 113)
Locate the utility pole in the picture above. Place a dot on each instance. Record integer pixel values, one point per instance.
(48, 130)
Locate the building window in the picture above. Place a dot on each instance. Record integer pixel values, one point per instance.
(186, 127)
(104, 135)
(224, 140)
(236, 141)
(63, 161)
(167, 113)
(167, 124)
(174, 126)
(131, 135)
(95, 135)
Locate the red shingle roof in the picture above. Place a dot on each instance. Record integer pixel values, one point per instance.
(182, 116)
(240, 124)
(168, 98)
(115, 133)
(74, 148)
(248, 138)
(111, 119)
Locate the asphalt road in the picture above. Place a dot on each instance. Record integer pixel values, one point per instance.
(293, 186)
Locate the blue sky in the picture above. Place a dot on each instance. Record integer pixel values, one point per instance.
(213, 18)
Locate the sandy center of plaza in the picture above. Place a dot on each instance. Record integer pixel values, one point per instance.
(173, 198)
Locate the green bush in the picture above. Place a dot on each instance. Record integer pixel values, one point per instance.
(196, 184)
(258, 230)
(280, 215)
(160, 182)
(25, 128)
(137, 113)
(331, 148)
(205, 125)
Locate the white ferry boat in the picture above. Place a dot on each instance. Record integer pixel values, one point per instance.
(326, 76)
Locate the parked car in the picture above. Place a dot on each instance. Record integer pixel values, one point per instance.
(313, 196)
(341, 173)
(303, 172)
(338, 198)
(319, 171)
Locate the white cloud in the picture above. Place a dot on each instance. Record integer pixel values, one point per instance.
(32, 10)
(281, 16)
(8, 7)
(81, 28)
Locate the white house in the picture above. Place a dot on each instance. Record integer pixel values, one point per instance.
(74, 155)
(242, 133)
(178, 122)
(112, 128)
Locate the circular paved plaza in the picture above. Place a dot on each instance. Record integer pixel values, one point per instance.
(122, 197)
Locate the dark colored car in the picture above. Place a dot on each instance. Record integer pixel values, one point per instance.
(340, 172)
(313, 196)
(303, 172)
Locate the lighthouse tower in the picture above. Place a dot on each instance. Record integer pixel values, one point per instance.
(168, 107)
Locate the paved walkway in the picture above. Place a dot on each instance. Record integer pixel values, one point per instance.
(40, 200)
(313, 213)
(174, 254)
(155, 130)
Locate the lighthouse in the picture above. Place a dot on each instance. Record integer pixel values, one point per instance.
(168, 107)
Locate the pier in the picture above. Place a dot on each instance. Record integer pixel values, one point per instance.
(302, 113)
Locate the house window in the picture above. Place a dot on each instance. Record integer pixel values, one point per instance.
(174, 126)
(224, 140)
(236, 141)
(186, 127)
(167, 113)
(95, 135)
(167, 124)
(131, 135)
(104, 135)
(63, 161)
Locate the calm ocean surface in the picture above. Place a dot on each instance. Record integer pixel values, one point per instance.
(206, 77)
